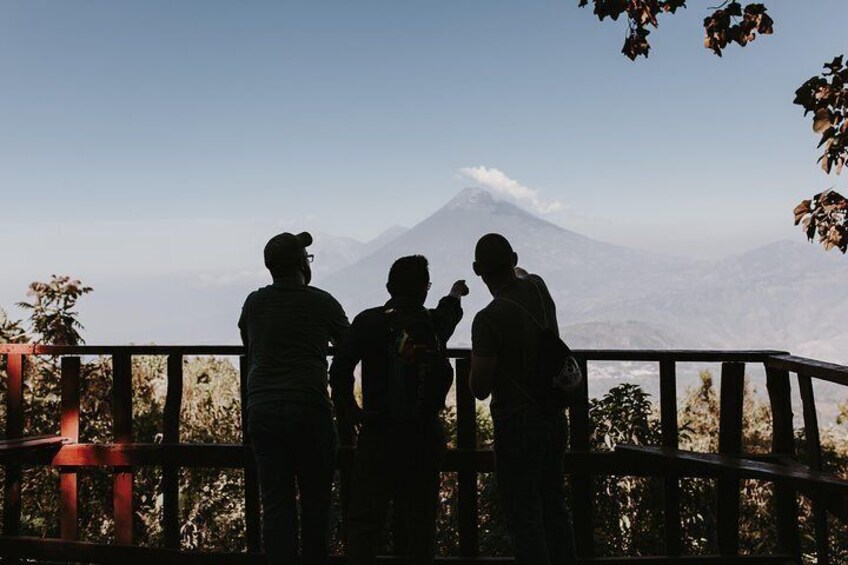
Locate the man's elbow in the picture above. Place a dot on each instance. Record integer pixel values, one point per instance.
(479, 390)
(479, 394)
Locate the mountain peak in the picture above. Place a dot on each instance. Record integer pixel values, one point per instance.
(471, 197)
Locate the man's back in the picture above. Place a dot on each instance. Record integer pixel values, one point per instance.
(369, 341)
(288, 328)
(507, 329)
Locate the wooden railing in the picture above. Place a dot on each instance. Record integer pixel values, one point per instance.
(123, 455)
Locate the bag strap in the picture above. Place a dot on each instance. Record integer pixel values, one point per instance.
(523, 309)
(541, 302)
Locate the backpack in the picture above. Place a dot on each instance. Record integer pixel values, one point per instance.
(420, 374)
(556, 380)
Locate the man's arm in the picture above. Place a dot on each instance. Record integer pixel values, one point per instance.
(242, 325)
(484, 359)
(447, 315)
(338, 323)
(348, 354)
(482, 376)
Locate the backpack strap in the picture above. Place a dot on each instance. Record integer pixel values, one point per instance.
(523, 309)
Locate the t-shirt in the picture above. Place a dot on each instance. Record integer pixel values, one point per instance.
(503, 330)
(287, 328)
(368, 341)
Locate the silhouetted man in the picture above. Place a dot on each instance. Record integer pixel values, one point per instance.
(405, 378)
(529, 444)
(286, 328)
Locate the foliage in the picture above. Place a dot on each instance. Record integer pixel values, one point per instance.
(825, 96)
(729, 23)
(628, 509)
(724, 26)
(52, 315)
(825, 215)
(11, 331)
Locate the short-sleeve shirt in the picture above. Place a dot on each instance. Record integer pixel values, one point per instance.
(287, 328)
(503, 330)
(368, 342)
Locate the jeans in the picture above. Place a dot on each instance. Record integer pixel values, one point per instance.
(401, 464)
(294, 444)
(529, 452)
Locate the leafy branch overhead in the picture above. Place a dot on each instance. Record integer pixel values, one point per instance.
(826, 97)
(729, 23)
(825, 215)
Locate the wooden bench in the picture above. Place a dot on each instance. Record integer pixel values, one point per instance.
(808, 481)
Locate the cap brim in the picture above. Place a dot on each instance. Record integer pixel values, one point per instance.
(304, 238)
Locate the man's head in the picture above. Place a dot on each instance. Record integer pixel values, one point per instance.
(285, 255)
(494, 257)
(409, 277)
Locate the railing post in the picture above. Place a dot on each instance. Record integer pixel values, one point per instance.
(251, 481)
(122, 411)
(70, 425)
(730, 443)
(15, 365)
(466, 431)
(581, 483)
(783, 444)
(814, 454)
(671, 484)
(171, 435)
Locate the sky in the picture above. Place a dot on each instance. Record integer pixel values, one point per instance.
(155, 137)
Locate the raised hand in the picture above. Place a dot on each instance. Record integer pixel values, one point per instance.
(459, 289)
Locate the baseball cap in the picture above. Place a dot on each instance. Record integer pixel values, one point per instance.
(286, 248)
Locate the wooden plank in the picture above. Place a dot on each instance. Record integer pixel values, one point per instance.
(118, 350)
(814, 461)
(70, 425)
(15, 366)
(58, 550)
(122, 483)
(783, 444)
(28, 444)
(466, 430)
(595, 463)
(171, 435)
(730, 443)
(687, 355)
(697, 464)
(671, 484)
(810, 367)
(581, 482)
(251, 481)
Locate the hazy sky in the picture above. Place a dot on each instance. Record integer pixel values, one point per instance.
(174, 126)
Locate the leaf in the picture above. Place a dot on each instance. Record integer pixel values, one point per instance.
(823, 120)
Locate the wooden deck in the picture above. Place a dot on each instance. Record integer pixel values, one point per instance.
(730, 465)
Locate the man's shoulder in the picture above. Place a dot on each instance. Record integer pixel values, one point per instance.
(370, 314)
(252, 296)
(489, 311)
(321, 294)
